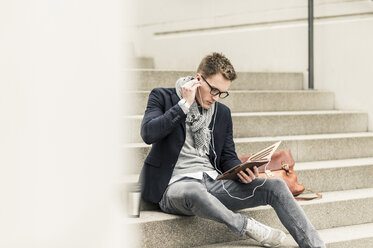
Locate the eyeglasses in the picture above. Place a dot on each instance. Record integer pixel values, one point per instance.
(214, 91)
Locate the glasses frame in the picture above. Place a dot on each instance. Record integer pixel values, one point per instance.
(213, 88)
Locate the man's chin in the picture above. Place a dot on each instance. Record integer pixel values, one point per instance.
(206, 106)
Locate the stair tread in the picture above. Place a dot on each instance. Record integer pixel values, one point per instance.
(333, 196)
(327, 164)
(331, 235)
(308, 112)
(283, 138)
(279, 113)
(305, 137)
(300, 166)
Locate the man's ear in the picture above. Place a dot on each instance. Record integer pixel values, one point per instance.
(198, 76)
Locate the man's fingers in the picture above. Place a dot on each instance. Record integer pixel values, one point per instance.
(191, 83)
(189, 90)
(241, 178)
(251, 174)
(197, 84)
(256, 171)
(244, 177)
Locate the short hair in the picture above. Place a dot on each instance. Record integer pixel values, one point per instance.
(215, 63)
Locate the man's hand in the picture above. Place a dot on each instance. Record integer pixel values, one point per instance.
(189, 90)
(250, 176)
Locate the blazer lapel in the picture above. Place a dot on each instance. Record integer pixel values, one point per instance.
(212, 119)
(211, 155)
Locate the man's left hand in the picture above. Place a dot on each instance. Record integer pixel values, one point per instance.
(249, 176)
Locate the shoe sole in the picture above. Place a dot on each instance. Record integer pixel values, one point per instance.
(281, 241)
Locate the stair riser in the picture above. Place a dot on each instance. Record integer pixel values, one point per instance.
(290, 243)
(276, 125)
(358, 243)
(148, 79)
(194, 231)
(336, 179)
(285, 125)
(144, 63)
(254, 101)
(317, 149)
(302, 150)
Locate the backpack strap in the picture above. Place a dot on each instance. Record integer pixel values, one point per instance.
(308, 198)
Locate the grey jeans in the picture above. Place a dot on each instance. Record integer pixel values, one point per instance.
(206, 198)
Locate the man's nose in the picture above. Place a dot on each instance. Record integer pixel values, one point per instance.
(215, 98)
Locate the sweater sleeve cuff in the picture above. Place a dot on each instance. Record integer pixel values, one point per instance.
(184, 106)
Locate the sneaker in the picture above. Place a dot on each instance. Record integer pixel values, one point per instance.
(265, 235)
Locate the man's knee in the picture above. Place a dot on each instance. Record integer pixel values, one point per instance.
(277, 185)
(195, 192)
(276, 189)
(185, 190)
(183, 195)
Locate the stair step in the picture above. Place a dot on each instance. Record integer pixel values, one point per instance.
(277, 123)
(336, 175)
(298, 122)
(332, 175)
(314, 147)
(165, 230)
(147, 79)
(254, 101)
(304, 148)
(144, 62)
(357, 236)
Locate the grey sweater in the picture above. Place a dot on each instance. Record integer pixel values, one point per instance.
(189, 163)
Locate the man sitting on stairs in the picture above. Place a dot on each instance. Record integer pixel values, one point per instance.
(192, 142)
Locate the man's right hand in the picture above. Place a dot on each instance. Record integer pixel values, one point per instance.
(189, 90)
(250, 176)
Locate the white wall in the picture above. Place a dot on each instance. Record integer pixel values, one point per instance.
(344, 62)
(266, 36)
(60, 129)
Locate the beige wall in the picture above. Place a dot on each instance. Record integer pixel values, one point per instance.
(266, 36)
(344, 62)
(60, 124)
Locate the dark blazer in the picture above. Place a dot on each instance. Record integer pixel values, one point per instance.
(163, 126)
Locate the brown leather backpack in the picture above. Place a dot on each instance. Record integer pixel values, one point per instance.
(282, 166)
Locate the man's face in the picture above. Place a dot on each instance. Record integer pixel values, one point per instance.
(217, 81)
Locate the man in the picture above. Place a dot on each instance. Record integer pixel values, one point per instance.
(192, 142)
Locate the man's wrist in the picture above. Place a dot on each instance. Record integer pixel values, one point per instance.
(184, 105)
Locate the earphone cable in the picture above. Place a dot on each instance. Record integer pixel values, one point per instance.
(215, 157)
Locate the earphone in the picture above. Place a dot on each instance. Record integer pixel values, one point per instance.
(212, 145)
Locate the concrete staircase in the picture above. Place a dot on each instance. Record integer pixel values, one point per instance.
(332, 148)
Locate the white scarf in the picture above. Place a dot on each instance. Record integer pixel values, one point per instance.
(198, 122)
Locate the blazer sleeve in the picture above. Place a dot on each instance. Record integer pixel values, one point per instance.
(158, 123)
(229, 157)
